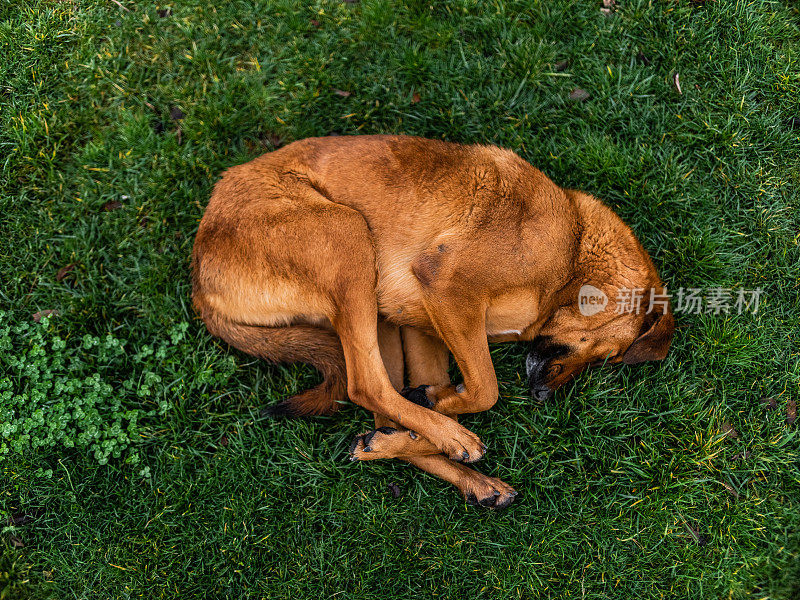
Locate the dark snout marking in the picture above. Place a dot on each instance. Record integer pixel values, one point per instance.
(543, 351)
(535, 367)
(546, 347)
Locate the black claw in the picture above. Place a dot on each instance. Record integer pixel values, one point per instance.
(471, 499)
(417, 395)
(367, 449)
(413, 435)
(465, 455)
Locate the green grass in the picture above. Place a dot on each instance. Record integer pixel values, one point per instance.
(630, 488)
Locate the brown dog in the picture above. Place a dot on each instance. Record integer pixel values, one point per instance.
(374, 257)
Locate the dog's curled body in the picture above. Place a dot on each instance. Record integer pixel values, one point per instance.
(283, 233)
(305, 253)
(259, 212)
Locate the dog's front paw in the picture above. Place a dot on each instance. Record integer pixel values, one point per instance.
(418, 395)
(482, 490)
(458, 443)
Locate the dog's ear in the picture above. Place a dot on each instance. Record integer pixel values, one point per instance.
(653, 341)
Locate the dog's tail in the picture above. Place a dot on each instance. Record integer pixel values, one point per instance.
(292, 343)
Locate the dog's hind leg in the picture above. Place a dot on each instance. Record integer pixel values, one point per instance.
(369, 385)
(309, 259)
(391, 347)
(426, 359)
(475, 487)
(294, 343)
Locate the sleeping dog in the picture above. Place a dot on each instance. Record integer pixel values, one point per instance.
(374, 258)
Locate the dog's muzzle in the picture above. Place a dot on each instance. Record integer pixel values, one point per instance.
(536, 369)
(537, 365)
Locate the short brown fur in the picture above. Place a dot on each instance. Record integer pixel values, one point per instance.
(306, 253)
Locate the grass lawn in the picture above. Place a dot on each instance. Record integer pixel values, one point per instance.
(133, 461)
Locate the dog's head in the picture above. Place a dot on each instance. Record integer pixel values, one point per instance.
(615, 309)
(571, 342)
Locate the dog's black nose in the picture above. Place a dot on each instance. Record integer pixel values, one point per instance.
(541, 392)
